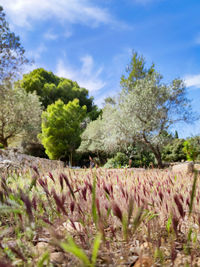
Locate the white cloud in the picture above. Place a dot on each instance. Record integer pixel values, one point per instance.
(68, 33)
(86, 76)
(23, 12)
(192, 81)
(49, 35)
(36, 54)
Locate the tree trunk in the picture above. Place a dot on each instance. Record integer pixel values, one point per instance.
(159, 159)
(156, 152)
(70, 158)
(4, 142)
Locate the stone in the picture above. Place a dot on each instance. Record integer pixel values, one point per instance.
(144, 262)
(57, 257)
(12, 159)
(68, 226)
(197, 167)
(42, 247)
(186, 167)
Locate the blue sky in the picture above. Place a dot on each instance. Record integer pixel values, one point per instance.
(90, 41)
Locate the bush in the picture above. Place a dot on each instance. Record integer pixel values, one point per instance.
(1, 146)
(192, 148)
(120, 160)
(173, 152)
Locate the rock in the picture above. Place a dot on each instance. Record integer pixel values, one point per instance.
(197, 167)
(68, 226)
(13, 159)
(186, 167)
(57, 257)
(144, 262)
(42, 247)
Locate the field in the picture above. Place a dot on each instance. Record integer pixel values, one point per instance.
(99, 217)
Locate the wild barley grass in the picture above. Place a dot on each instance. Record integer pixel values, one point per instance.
(83, 207)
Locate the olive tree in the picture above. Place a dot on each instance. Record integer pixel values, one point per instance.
(20, 114)
(12, 53)
(143, 111)
(146, 113)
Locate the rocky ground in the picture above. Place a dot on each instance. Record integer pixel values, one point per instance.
(13, 159)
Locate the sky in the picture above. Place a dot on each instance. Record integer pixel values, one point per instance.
(91, 41)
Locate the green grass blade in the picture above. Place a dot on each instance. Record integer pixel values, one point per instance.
(193, 192)
(97, 242)
(44, 259)
(94, 208)
(71, 247)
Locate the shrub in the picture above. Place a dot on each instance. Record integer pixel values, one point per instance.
(120, 160)
(192, 148)
(173, 151)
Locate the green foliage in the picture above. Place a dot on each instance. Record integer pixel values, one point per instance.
(120, 160)
(44, 260)
(16, 118)
(169, 225)
(192, 148)
(91, 138)
(143, 112)
(146, 112)
(176, 135)
(96, 246)
(159, 256)
(61, 128)
(50, 88)
(136, 70)
(173, 151)
(192, 196)
(94, 207)
(71, 247)
(140, 155)
(11, 51)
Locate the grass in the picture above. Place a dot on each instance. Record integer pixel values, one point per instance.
(99, 217)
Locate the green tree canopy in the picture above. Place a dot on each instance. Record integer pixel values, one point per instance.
(61, 128)
(173, 151)
(92, 138)
(11, 51)
(50, 88)
(192, 148)
(144, 111)
(135, 71)
(20, 114)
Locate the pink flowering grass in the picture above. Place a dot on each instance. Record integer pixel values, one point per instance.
(121, 205)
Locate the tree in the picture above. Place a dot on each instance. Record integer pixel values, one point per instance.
(173, 151)
(192, 148)
(151, 108)
(50, 88)
(136, 70)
(11, 52)
(92, 138)
(61, 128)
(176, 135)
(144, 111)
(20, 114)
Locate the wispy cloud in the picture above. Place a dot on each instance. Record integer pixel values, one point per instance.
(192, 81)
(87, 76)
(49, 35)
(24, 12)
(37, 52)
